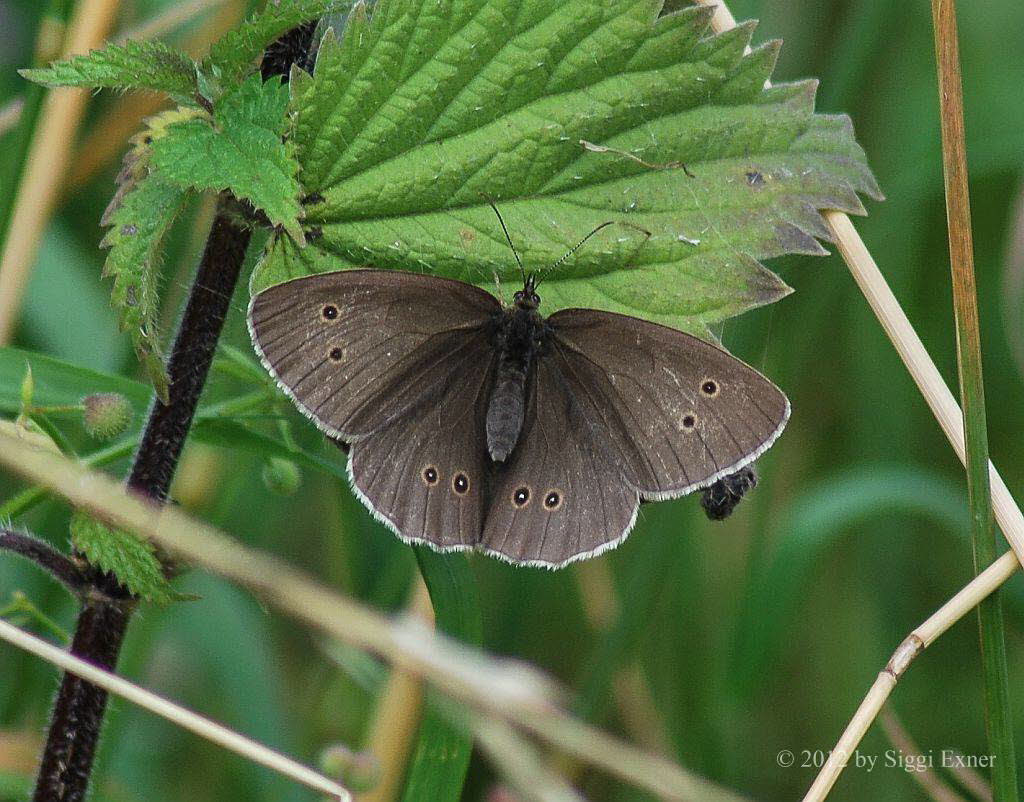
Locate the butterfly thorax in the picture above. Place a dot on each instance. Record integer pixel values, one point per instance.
(519, 337)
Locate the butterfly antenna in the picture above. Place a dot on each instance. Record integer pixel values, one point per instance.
(578, 245)
(515, 253)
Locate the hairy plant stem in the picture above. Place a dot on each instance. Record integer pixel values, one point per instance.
(103, 620)
(56, 563)
(77, 717)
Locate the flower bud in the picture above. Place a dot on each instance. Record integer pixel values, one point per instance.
(281, 476)
(106, 414)
(358, 771)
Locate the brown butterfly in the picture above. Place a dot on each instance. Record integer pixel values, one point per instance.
(474, 425)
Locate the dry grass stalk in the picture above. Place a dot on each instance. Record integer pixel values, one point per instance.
(970, 780)
(47, 162)
(908, 345)
(137, 106)
(912, 351)
(170, 19)
(10, 113)
(950, 417)
(521, 764)
(507, 690)
(397, 717)
(922, 369)
(180, 716)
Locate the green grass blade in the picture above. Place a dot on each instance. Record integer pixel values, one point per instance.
(818, 520)
(972, 398)
(441, 758)
(639, 594)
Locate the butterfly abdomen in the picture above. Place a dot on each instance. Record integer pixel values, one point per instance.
(519, 333)
(507, 407)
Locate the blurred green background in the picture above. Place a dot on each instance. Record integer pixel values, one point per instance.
(753, 636)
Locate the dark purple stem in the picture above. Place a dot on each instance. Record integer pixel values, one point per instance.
(200, 327)
(103, 620)
(78, 711)
(55, 563)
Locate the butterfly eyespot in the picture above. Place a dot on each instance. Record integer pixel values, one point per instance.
(460, 484)
(709, 387)
(336, 354)
(689, 421)
(521, 497)
(330, 312)
(430, 475)
(553, 500)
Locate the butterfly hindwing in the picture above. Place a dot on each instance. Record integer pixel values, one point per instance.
(558, 498)
(423, 473)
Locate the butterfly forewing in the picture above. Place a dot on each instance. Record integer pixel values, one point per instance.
(355, 349)
(674, 413)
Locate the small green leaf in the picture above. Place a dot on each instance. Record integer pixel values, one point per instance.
(137, 228)
(132, 560)
(28, 387)
(60, 383)
(567, 115)
(241, 151)
(139, 216)
(147, 65)
(237, 52)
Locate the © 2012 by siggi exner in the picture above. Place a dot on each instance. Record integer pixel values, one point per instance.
(923, 761)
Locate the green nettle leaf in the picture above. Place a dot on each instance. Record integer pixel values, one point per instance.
(131, 559)
(567, 115)
(137, 231)
(240, 150)
(139, 216)
(132, 65)
(237, 52)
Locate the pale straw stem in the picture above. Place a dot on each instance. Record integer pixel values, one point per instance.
(396, 720)
(165, 22)
(924, 775)
(505, 689)
(10, 113)
(950, 417)
(46, 163)
(520, 763)
(176, 714)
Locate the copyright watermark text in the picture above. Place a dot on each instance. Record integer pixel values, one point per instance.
(889, 759)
